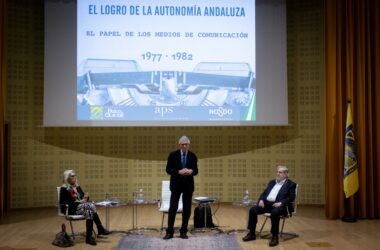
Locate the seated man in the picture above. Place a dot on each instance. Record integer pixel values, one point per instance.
(278, 195)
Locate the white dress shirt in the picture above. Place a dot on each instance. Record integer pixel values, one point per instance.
(274, 192)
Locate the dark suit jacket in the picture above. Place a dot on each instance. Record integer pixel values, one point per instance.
(179, 182)
(286, 195)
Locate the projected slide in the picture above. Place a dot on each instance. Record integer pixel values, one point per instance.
(166, 60)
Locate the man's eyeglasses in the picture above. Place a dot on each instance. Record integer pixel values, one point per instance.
(184, 144)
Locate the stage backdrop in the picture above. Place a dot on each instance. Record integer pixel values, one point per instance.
(120, 160)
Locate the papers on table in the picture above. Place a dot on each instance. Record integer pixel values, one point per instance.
(107, 203)
(202, 199)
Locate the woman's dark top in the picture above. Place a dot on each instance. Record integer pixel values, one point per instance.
(70, 196)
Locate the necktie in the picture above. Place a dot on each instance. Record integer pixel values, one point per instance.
(183, 160)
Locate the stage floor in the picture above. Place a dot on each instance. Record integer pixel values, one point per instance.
(36, 228)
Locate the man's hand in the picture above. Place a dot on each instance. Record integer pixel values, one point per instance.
(185, 171)
(277, 204)
(261, 203)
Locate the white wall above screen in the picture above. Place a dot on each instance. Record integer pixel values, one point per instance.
(150, 63)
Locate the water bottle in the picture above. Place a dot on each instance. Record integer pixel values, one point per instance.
(246, 199)
(140, 196)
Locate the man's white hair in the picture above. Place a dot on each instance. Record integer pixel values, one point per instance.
(183, 138)
(285, 168)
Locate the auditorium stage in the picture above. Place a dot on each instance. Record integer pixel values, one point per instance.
(35, 228)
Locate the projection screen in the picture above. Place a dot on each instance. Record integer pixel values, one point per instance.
(165, 63)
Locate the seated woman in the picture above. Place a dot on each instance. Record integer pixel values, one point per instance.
(78, 204)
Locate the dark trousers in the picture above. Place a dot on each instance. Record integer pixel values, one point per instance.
(268, 208)
(186, 212)
(90, 223)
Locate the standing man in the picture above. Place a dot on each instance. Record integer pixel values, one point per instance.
(275, 199)
(182, 165)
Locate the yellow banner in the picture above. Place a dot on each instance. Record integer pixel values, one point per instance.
(351, 177)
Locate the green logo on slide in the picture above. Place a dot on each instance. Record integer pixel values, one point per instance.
(96, 112)
(250, 113)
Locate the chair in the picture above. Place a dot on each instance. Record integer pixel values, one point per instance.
(165, 202)
(67, 216)
(288, 215)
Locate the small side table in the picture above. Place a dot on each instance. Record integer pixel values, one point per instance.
(244, 205)
(204, 203)
(138, 201)
(107, 204)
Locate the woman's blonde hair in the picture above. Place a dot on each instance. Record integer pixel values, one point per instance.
(67, 174)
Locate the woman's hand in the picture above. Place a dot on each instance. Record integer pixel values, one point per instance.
(85, 197)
